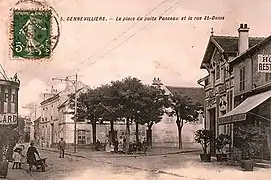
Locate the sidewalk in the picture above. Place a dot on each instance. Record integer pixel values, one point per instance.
(17, 174)
(154, 152)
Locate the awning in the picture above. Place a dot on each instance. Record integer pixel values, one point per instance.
(239, 113)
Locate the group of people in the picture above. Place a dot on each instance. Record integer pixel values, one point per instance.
(119, 146)
(18, 156)
(115, 146)
(32, 154)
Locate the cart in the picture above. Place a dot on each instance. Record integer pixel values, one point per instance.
(40, 164)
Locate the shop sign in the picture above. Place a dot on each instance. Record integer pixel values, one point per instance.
(231, 119)
(8, 119)
(264, 63)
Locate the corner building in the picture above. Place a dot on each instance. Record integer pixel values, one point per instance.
(235, 92)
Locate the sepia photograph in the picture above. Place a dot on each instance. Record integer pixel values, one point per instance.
(135, 90)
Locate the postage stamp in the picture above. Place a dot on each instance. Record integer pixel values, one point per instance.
(31, 34)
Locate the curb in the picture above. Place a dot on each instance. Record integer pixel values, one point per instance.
(125, 155)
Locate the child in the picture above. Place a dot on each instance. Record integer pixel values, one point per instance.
(17, 158)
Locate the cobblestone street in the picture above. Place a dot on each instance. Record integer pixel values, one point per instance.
(174, 166)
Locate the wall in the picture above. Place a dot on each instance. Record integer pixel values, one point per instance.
(165, 133)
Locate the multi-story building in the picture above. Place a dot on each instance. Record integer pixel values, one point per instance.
(51, 127)
(235, 92)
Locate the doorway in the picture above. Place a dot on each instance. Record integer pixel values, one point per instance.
(213, 130)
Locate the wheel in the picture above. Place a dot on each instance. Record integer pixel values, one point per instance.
(42, 168)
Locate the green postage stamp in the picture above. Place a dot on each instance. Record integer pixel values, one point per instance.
(31, 34)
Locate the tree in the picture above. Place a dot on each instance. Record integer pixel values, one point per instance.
(8, 136)
(89, 108)
(155, 101)
(184, 110)
(128, 93)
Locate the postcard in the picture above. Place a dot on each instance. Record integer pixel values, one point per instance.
(157, 89)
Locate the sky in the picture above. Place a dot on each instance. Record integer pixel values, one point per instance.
(101, 52)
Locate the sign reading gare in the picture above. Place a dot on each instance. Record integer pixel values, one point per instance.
(264, 63)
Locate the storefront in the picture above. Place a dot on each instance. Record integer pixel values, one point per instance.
(255, 110)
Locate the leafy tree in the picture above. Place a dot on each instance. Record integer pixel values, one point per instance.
(155, 101)
(8, 137)
(88, 108)
(249, 138)
(128, 93)
(184, 110)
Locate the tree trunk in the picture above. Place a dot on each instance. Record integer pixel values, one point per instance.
(180, 126)
(111, 125)
(149, 137)
(137, 136)
(112, 133)
(127, 136)
(180, 137)
(94, 133)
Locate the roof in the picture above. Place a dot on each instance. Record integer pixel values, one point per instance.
(196, 94)
(226, 45)
(247, 105)
(38, 119)
(252, 49)
(64, 99)
(50, 99)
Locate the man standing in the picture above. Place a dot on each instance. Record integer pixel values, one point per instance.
(61, 146)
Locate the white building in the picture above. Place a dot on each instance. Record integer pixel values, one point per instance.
(54, 123)
(165, 132)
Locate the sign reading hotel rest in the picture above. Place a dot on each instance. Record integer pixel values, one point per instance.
(264, 63)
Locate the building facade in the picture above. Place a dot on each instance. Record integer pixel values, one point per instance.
(37, 132)
(235, 92)
(9, 88)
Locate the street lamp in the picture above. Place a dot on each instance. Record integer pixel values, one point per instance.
(74, 83)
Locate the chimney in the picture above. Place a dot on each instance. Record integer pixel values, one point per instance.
(243, 42)
(156, 81)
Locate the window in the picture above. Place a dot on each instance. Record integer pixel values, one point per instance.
(268, 77)
(206, 82)
(242, 78)
(6, 97)
(217, 72)
(82, 137)
(13, 98)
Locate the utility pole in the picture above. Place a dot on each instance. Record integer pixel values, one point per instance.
(74, 83)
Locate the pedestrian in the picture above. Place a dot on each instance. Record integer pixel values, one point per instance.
(145, 145)
(120, 145)
(31, 157)
(98, 145)
(124, 145)
(116, 145)
(107, 146)
(61, 147)
(112, 147)
(17, 158)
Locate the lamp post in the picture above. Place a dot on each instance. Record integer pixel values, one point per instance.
(74, 83)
